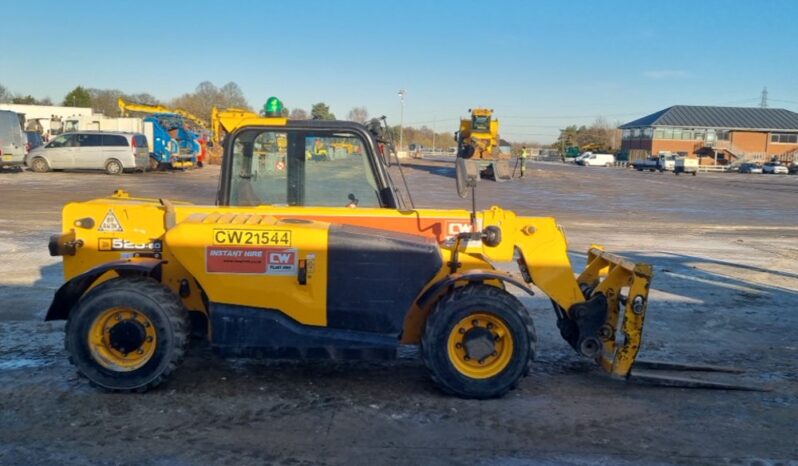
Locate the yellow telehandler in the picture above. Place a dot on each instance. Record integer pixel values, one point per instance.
(325, 259)
(478, 141)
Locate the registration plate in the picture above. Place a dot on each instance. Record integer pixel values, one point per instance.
(7, 158)
(240, 237)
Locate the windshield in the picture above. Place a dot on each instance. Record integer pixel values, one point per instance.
(298, 168)
(480, 123)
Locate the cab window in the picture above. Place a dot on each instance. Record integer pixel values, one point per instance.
(299, 168)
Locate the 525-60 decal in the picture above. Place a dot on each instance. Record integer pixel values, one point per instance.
(240, 237)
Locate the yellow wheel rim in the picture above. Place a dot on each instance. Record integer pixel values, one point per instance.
(122, 339)
(480, 346)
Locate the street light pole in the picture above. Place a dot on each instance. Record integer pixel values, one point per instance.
(402, 93)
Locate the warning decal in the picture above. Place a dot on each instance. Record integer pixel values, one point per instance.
(232, 259)
(110, 223)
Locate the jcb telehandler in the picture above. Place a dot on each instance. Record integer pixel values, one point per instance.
(478, 141)
(325, 259)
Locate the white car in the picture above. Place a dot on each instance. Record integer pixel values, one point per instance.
(597, 160)
(113, 152)
(774, 168)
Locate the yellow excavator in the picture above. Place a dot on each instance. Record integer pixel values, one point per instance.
(478, 140)
(326, 260)
(126, 108)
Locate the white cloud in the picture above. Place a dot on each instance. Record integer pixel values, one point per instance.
(666, 74)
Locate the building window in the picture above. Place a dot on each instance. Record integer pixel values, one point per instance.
(722, 134)
(648, 132)
(784, 138)
(627, 134)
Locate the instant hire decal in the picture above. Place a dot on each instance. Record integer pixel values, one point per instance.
(248, 260)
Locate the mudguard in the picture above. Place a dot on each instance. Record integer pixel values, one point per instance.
(475, 275)
(70, 292)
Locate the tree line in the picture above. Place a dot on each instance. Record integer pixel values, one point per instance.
(601, 135)
(207, 95)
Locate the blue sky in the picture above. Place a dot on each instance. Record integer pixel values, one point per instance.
(540, 65)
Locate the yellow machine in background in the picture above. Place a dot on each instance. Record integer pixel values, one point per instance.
(225, 120)
(323, 259)
(478, 140)
(126, 108)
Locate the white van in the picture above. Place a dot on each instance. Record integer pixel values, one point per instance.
(13, 142)
(92, 150)
(597, 160)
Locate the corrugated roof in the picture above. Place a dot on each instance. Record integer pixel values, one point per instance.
(768, 119)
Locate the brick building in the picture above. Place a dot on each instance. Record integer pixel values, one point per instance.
(717, 135)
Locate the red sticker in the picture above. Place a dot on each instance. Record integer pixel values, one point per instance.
(234, 259)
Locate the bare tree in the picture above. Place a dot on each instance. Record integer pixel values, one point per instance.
(358, 114)
(206, 96)
(5, 95)
(298, 114)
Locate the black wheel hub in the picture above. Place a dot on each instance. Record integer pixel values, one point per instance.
(479, 343)
(127, 336)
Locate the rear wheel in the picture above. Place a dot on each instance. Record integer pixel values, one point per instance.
(478, 342)
(39, 165)
(113, 167)
(127, 334)
(154, 164)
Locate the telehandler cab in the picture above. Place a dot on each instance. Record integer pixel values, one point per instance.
(323, 258)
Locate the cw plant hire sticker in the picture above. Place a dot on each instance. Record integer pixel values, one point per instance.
(110, 223)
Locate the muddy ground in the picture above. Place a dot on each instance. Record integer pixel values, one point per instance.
(725, 251)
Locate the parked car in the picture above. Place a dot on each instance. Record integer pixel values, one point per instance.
(92, 150)
(750, 168)
(34, 140)
(596, 160)
(774, 168)
(12, 140)
(793, 168)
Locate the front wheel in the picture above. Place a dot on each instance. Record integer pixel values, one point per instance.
(478, 342)
(127, 334)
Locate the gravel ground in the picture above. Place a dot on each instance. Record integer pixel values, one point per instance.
(725, 251)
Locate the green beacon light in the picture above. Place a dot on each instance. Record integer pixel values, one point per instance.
(273, 107)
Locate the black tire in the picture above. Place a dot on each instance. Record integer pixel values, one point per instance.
(458, 305)
(146, 296)
(39, 165)
(114, 167)
(153, 164)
